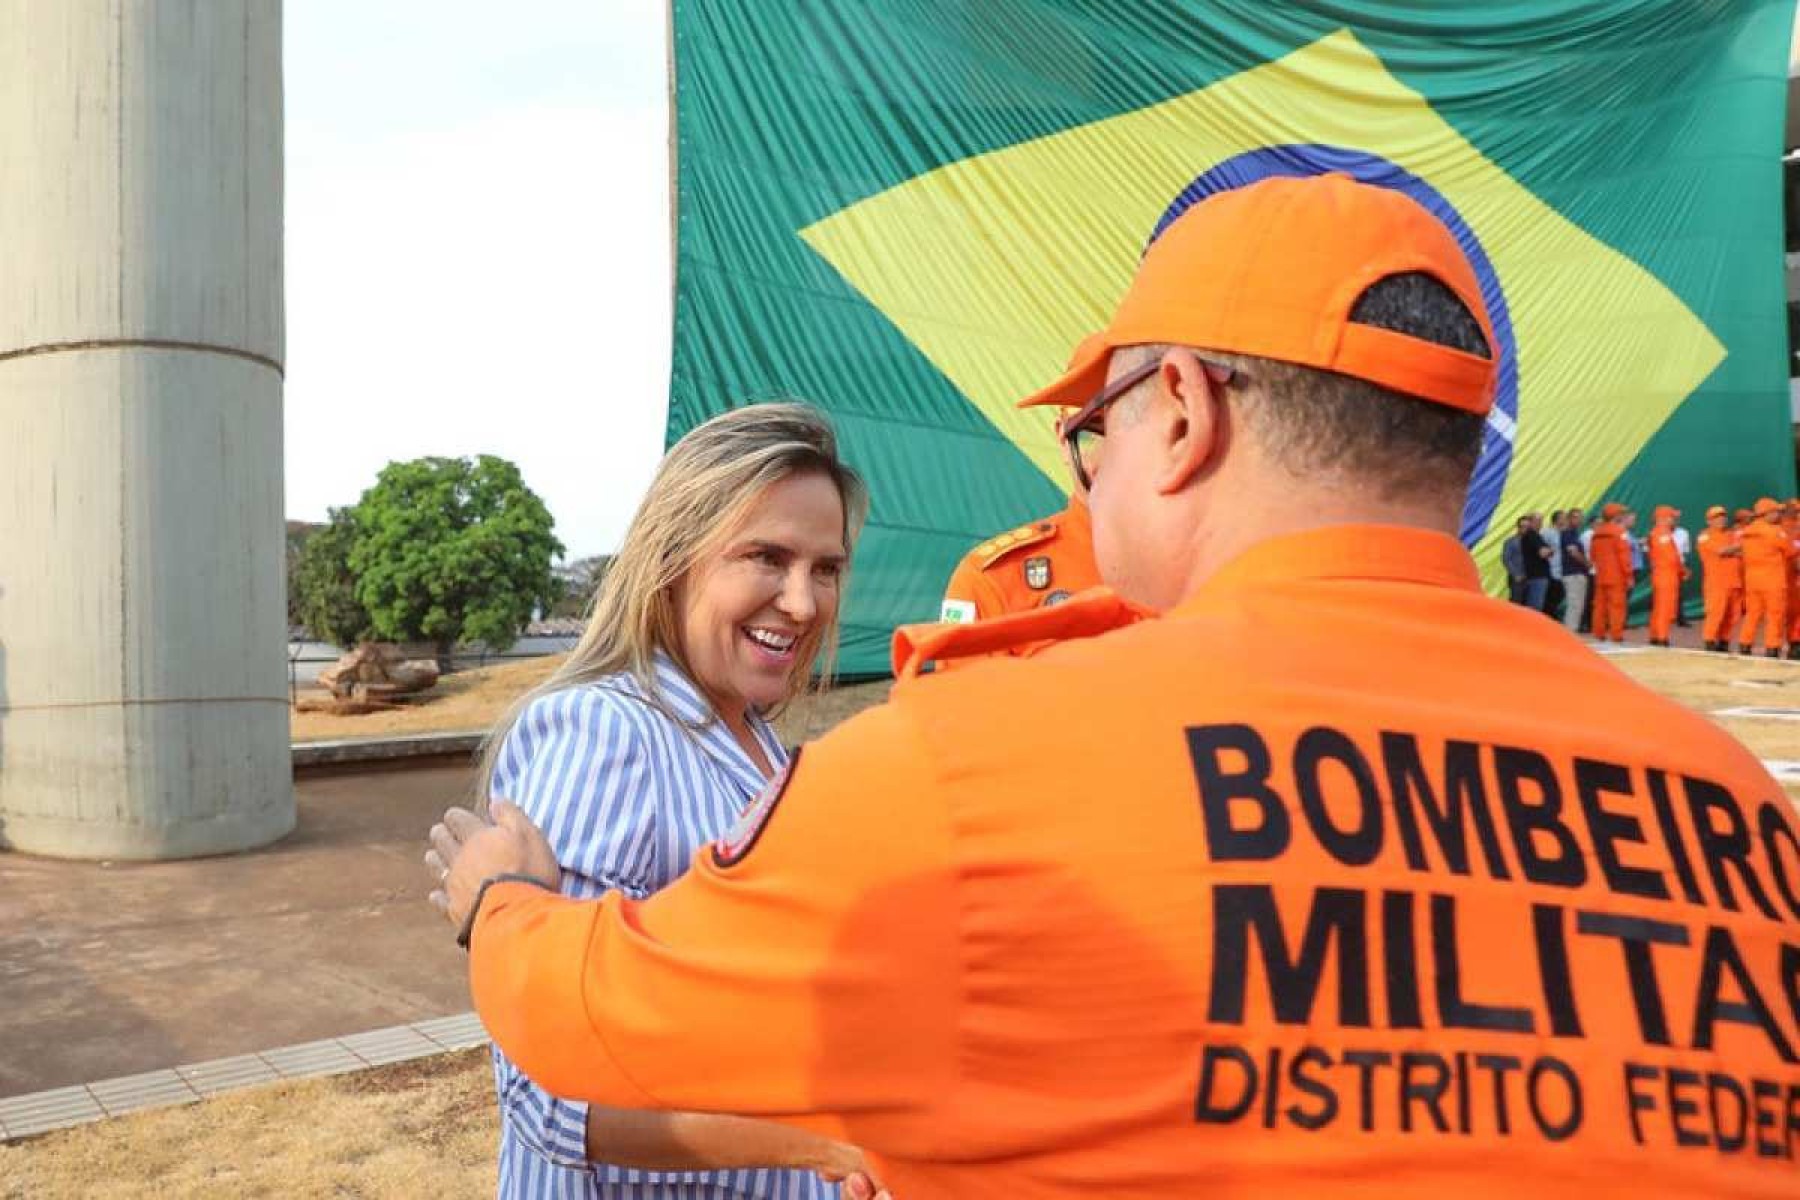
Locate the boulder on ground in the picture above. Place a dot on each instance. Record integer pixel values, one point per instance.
(377, 673)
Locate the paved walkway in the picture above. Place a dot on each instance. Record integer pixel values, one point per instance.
(111, 970)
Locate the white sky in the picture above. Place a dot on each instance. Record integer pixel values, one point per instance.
(478, 247)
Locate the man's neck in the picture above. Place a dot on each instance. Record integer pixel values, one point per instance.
(1279, 512)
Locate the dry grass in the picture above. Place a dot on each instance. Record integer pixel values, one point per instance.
(1707, 683)
(464, 702)
(471, 701)
(423, 1128)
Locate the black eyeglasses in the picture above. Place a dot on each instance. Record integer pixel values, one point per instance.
(1084, 434)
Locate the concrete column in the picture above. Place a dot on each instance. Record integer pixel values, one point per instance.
(142, 618)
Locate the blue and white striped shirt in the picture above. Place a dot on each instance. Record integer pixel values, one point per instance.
(626, 796)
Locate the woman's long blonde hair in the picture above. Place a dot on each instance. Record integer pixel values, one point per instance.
(705, 486)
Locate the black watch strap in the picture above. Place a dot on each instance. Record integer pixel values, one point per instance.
(468, 926)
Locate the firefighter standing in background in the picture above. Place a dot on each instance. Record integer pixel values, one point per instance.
(1721, 578)
(1768, 565)
(1613, 575)
(1668, 571)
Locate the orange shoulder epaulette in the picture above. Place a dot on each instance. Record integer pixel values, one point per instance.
(1001, 545)
(1093, 612)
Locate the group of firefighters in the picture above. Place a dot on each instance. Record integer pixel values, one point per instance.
(1749, 564)
(1748, 576)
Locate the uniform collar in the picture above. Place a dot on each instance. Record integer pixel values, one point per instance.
(683, 697)
(1389, 553)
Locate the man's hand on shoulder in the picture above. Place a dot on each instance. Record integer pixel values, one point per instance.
(468, 851)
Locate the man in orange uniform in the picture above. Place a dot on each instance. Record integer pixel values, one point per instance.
(1613, 575)
(1741, 519)
(1668, 571)
(1721, 577)
(1038, 565)
(1768, 562)
(1307, 886)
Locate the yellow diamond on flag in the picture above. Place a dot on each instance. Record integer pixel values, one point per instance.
(994, 267)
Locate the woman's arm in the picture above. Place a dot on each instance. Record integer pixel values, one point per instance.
(666, 1141)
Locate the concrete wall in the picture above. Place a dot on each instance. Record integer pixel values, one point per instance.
(142, 624)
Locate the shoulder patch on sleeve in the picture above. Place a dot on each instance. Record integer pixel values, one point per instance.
(741, 838)
(958, 612)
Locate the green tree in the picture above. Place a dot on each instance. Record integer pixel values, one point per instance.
(452, 550)
(322, 588)
(297, 534)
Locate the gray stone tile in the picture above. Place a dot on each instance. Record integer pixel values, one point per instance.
(227, 1074)
(30, 1127)
(152, 1089)
(396, 1044)
(312, 1058)
(22, 1110)
(454, 1033)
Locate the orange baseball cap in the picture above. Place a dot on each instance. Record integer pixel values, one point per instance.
(1743, 514)
(1665, 510)
(1612, 511)
(1765, 506)
(1273, 269)
(1717, 510)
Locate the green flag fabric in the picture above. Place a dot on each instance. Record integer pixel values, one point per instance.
(909, 211)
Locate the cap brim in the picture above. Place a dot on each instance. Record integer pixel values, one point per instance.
(1082, 381)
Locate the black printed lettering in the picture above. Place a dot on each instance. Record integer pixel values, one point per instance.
(1366, 1062)
(1724, 1085)
(1782, 848)
(1553, 970)
(1209, 1110)
(1720, 958)
(1268, 836)
(1336, 914)
(1537, 818)
(1400, 957)
(1429, 1092)
(1727, 847)
(1680, 1106)
(1327, 1112)
(1764, 1118)
(1499, 1065)
(1593, 781)
(1671, 832)
(1319, 746)
(1455, 1011)
(1637, 1101)
(1272, 1093)
(1536, 1090)
(1465, 802)
(1636, 936)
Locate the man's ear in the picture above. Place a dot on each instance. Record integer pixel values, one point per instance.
(1192, 421)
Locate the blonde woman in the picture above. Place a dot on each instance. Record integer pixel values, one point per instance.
(651, 739)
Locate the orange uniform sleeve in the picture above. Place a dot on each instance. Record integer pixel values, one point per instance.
(813, 980)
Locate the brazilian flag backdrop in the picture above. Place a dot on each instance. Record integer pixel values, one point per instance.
(909, 211)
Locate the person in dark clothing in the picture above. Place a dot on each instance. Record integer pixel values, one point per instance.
(1575, 571)
(1535, 552)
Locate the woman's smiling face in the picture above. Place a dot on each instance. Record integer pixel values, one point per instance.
(754, 612)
